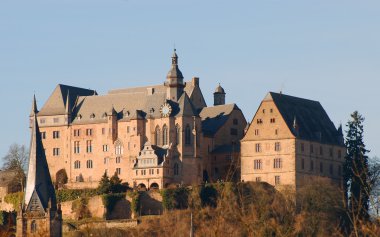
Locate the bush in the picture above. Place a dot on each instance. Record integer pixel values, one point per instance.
(15, 199)
(80, 208)
(64, 195)
(135, 204)
(209, 196)
(175, 198)
(110, 200)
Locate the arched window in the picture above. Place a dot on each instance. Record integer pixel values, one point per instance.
(157, 135)
(176, 169)
(178, 134)
(89, 164)
(165, 135)
(33, 226)
(77, 164)
(187, 135)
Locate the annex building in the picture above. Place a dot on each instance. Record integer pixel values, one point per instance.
(151, 136)
(291, 141)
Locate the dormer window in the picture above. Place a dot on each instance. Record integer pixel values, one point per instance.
(151, 110)
(104, 115)
(92, 116)
(79, 117)
(127, 113)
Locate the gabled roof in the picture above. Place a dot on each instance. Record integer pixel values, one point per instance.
(312, 121)
(185, 106)
(56, 104)
(214, 117)
(38, 181)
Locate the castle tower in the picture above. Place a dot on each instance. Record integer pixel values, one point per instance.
(38, 214)
(174, 80)
(219, 96)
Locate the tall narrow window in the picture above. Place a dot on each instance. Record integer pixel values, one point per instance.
(277, 146)
(55, 134)
(176, 169)
(277, 163)
(165, 135)
(258, 147)
(257, 164)
(321, 167)
(43, 135)
(311, 165)
(277, 180)
(55, 151)
(89, 146)
(178, 134)
(157, 136)
(76, 147)
(89, 164)
(303, 163)
(187, 135)
(119, 149)
(33, 226)
(118, 171)
(77, 164)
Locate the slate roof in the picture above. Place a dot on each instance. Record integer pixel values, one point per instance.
(226, 149)
(312, 121)
(39, 186)
(214, 117)
(56, 104)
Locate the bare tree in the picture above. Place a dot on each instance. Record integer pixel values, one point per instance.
(16, 159)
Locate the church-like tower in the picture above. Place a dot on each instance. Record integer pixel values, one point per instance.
(219, 96)
(38, 214)
(174, 80)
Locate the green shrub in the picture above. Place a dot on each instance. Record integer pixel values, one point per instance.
(209, 196)
(14, 198)
(64, 195)
(175, 198)
(110, 200)
(135, 204)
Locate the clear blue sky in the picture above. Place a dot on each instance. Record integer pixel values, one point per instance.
(322, 50)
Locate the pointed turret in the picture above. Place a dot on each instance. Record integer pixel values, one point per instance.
(34, 107)
(39, 187)
(340, 134)
(174, 80)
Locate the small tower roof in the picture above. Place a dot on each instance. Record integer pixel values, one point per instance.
(34, 106)
(174, 71)
(39, 187)
(219, 89)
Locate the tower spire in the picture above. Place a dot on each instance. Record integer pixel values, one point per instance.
(174, 80)
(39, 187)
(34, 106)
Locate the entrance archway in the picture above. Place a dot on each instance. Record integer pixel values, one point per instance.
(154, 186)
(141, 187)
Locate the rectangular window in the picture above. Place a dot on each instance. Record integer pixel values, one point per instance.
(137, 172)
(55, 151)
(259, 121)
(277, 163)
(234, 132)
(258, 179)
(89, 146)
(56, 120)
(55, 134)
(321, 167)
(311, 148)
(257, 164)
(128, 129)
(276, 132)
(118, 160)
(302, 147)
(311, 165)
(42, 120)
(158, 171)
(105, 148)
(321, 150)
(277, 146)
(303, 164)
(76, 147)
(277, 180)
(272, 120)
(89, 132)
(256, 132)
(118, 171)
(331, 152)
(76, 132)
(258, 147)
(331, 169)
(43, 135)
(103, 131)
(339, 154)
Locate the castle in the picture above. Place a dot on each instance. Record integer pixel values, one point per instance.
(151, 136)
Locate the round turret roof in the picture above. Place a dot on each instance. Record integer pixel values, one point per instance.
(219, 89)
